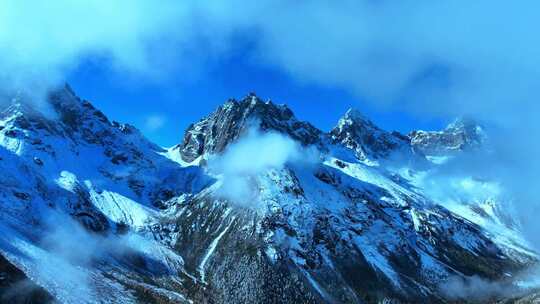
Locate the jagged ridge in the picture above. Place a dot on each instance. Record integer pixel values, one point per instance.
(341, 231)
(462, 134)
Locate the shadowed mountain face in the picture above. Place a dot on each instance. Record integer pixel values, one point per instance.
(213, 133)
(95, 213)
(16, 288)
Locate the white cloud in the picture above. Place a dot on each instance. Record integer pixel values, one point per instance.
(476, 289)
(374, 48)
(42, 41)
(154, 122)
(71, 253)
(378, 49)
(251, 155)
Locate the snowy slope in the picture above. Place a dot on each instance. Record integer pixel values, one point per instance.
(351, 211)
(77, 167)
(95, 213)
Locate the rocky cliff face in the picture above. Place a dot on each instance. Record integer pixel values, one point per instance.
(340, 229)
(213, 133)
(75, 183)
(462, 134)
(359, 134)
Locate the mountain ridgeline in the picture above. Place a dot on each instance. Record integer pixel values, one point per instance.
(93, 212)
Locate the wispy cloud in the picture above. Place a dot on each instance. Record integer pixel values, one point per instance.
(443, 58)
(41, 42)
(154, 122)
(253, 154)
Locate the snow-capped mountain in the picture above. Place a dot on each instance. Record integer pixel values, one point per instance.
(462, 134)
(229, 121)
(359, 134)
(92, 212)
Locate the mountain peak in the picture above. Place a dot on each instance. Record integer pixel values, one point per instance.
(355, 131)
(47, 106)
(62, 113)
(189, 240)
(252, 97)
(461, 134)
(355, 115)
(213, 133)
(464, 124)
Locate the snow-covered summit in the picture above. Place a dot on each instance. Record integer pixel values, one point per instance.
(360, 134)
(355, 115)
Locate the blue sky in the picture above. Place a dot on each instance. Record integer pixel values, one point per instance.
(183, 99)
(405, 64)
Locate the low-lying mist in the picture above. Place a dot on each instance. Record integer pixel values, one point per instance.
(73, 256)
(253, 154)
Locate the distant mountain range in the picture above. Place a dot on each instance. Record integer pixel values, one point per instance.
(93, 212)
